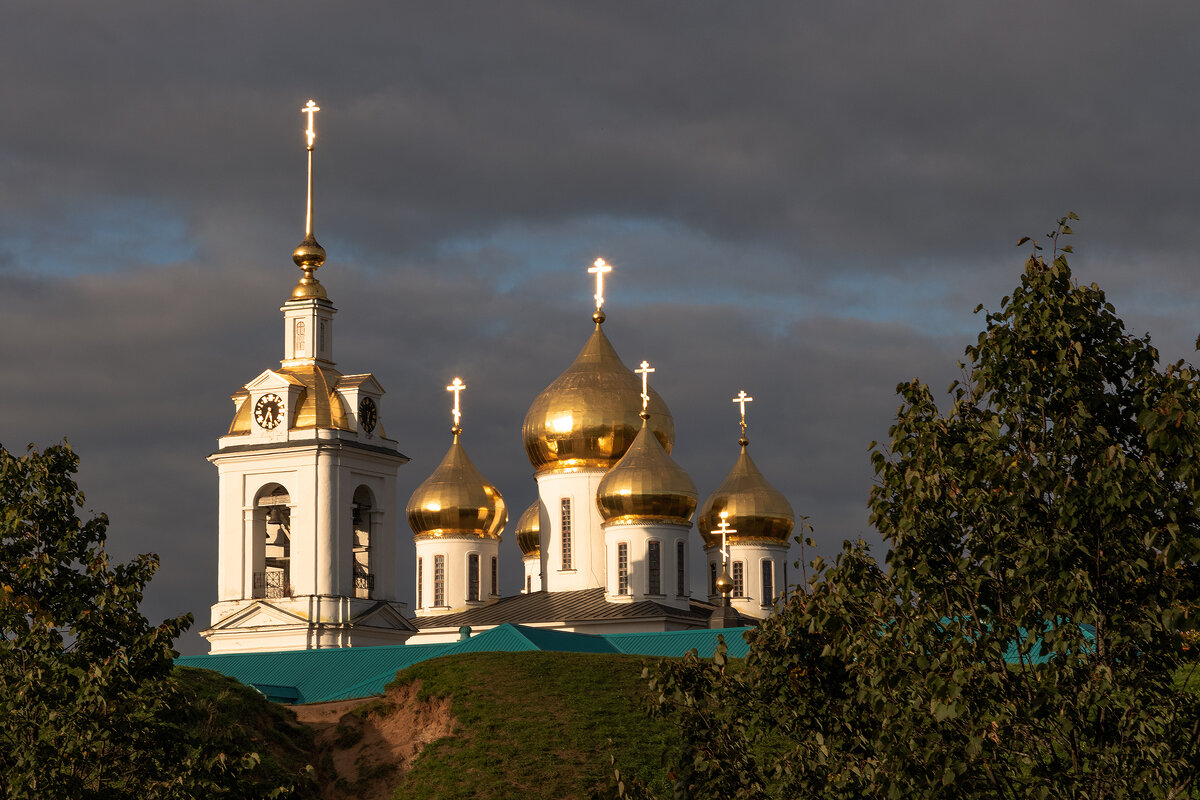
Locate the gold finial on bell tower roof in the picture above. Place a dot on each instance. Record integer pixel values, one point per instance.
(309, 255)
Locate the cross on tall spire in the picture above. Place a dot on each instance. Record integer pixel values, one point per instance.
(644, 370)
(457, 386)
(309, 255)
(310, 108)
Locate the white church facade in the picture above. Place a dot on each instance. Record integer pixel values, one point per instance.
(310, 523)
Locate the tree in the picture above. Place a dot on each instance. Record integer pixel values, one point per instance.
(1024, 639)
(89, 705)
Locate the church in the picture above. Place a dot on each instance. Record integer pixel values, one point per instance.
(309, 521)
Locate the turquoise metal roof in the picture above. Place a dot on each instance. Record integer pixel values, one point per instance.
(315, 675)
(676, 644)
(318, 676)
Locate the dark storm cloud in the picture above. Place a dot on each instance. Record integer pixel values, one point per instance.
(802, 200)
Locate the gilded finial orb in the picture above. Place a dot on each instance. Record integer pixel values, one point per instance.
(724, 583)
(599, 317)
(309, 253)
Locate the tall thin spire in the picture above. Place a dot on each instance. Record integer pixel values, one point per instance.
(309, 255)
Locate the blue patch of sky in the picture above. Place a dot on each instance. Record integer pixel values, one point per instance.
(686, 266)
(99, 237)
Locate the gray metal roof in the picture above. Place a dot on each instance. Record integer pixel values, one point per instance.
(585, 605)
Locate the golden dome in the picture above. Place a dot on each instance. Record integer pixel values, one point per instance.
(757, 510)
(646, 486)
(588, 417)
(527, 531)
(456, 499)
(318, 405)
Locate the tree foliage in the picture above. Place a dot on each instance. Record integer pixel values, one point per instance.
(89, 706)
(1024, 637)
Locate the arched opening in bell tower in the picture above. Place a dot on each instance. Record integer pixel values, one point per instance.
(272, 543)
(364, 579)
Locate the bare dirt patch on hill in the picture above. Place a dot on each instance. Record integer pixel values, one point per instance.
(365, 746)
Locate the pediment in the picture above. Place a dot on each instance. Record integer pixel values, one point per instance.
(364, 383)
(258, 615)
(270, 379)
(383, 615)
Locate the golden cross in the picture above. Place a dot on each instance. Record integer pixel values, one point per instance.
(725, 529)
(644, 370)
(456, 387)
(598, 269)
(310, 109)
(741, 399)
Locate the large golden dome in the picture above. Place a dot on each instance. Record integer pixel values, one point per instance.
(528, 531)
(588, 417)
(646, 486)
(456, 500)
(757, 510)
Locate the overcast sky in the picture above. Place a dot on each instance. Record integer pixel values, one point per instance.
(804, 200)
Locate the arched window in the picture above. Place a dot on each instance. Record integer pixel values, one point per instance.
(272, 543)
(420, 583)
(622, 568)
(473, 576)
(654, 567)
(712, 578)
(680, 569)
(495, 577)
(439, 581)
(567, 557)
(768, 581)
(739, 579)
(364, 578)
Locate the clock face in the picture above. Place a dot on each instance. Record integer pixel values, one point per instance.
(268, 411)
(368, 415)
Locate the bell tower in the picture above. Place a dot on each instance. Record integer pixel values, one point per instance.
(307, 513)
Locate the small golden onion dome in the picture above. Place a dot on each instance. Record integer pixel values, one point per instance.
(757, 510)
(527, 531)
(456, 500)
(646, 486)
(589, 416)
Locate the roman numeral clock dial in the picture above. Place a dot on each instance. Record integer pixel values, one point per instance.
(368, 414)
(268, 411)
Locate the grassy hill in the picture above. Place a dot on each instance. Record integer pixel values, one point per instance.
(479, 725)
(535, 725)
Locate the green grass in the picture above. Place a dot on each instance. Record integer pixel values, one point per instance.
(536, 725)
(239, 720)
